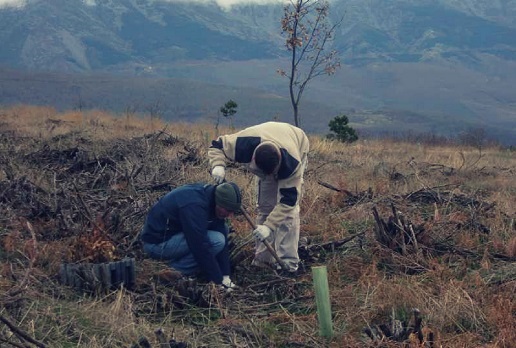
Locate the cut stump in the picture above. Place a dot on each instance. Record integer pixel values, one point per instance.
(98, 277)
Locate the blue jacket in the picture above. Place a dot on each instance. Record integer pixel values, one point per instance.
(190, 209)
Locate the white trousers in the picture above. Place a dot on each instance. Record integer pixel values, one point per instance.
(285, 240)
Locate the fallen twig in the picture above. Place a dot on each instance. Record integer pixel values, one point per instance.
(20, 333)
(334, 244)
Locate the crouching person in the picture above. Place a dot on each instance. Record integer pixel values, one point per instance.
(187, 229)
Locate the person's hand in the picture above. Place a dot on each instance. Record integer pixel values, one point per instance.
(262, 232)
(227, 284)
(218, 173)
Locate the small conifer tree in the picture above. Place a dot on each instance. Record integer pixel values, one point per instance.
(228, 110)
(341, 130)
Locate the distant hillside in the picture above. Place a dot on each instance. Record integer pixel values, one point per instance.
(189, 100)
(168, 98)
(84, 36)
(450, 64)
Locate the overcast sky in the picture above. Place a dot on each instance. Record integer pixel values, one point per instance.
(221, 3)
(227, 3)
(12, 3)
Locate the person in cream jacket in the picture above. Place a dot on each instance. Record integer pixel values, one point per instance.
(276, 153)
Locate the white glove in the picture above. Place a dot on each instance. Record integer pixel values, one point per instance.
(228, 284)
(218, 173)
(262, 232)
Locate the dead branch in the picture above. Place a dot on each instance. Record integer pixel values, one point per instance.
(413, 333)
(396, 234)
(351, 198)
(331, 187)
(331, 246)
(16, 345)
(442, 247)
(382, 234)
(20, 333)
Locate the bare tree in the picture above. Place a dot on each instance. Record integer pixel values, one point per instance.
(308, 32)
(155, 109)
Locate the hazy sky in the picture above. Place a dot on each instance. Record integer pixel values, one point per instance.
(221, 3)
(12, 3)
(228, 3)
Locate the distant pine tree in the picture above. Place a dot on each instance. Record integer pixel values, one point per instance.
(341, 131)
(228, 110)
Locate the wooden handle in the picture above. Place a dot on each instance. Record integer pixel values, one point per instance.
(267, 244)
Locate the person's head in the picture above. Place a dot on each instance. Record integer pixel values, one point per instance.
(228, 199)
(267, 157)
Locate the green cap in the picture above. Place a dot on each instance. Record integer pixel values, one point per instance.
(227, 196)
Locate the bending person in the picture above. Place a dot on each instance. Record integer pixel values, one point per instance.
(276, 153)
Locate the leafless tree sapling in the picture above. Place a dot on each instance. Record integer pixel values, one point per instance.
(309, 33)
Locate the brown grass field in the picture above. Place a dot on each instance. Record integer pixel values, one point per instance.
(436, 267)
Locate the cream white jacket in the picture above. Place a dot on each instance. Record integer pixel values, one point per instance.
(294, 146)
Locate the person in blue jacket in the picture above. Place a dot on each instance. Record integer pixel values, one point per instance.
(187, 229)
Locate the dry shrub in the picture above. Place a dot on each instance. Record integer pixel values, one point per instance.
(501, 314)
(466, 239)
(511, 247)
(316, 203)
(75, 118)
(454, 310)
(6, 276)
(53, 254)
(29, 120)
(94, 323)
(358, 213)
(445, 304)
(305, 330)
(10, 241)
(457, 217)
(20, 245)
(348, 270)
(324, 148)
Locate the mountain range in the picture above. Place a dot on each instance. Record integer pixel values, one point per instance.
(438, 66)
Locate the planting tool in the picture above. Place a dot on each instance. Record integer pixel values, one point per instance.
(267, 244)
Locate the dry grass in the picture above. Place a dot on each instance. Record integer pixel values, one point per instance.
(465, 295)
